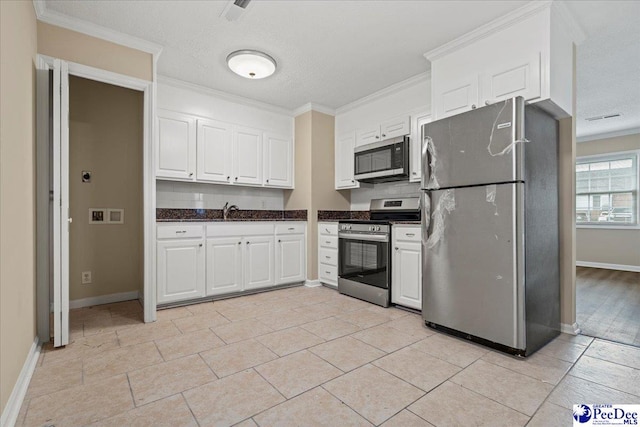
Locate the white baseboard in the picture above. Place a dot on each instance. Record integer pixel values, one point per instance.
(11, 411)
(573, 329)
(312, 283)
(622, 267)
(103, 299)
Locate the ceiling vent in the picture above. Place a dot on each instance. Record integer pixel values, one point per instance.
(234, 10)
(607, 116)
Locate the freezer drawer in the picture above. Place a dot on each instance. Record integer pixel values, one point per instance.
(473, 273)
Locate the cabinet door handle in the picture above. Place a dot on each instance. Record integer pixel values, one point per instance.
(181, 231)
(353, 180)
(279, 241)
(415, 173)
(411, 234)
(383, 135)
(200, 245)
(328, 242)
(228, 178)
(328, 272)
(267, 181)
(248, 243)
(239, 243)
(473, 106)
(377, 137)
(191, 174)
(291, 228)
(236, 178)
(327, 257)
(327, 231)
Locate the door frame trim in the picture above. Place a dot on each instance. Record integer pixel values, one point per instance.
(148, 88)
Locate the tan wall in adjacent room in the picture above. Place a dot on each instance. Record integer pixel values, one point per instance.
(106, 138)
(18, 42)
(72, 46)
(608, 246)
(315, 177)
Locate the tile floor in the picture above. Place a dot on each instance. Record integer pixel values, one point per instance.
(309, 357)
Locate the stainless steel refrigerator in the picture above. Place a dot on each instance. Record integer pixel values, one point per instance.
(490, 226)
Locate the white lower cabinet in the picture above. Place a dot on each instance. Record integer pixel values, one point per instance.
(259, 262)
(291, 259)
(224, 265)
(328, 253)
(235, 257)
(180, 271)
(406, 283)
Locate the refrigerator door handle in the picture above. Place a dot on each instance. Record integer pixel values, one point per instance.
(426, 159)
(425, 212)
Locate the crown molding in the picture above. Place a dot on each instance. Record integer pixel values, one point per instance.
(578, 35)
(486, 30)
(85, 27)
(607, 135)
(181, 84)
(411, 81)
(315, 107)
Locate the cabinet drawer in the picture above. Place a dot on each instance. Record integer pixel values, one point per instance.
(330, 242)
(328, 272)
(328, 228)
(291, 228)
(179, 231)
(237, 228)
(409, 234)
(328, 256)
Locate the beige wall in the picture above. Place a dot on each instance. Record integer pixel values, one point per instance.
(105, 137)
(18, 40)
(621, 247)
(80, 48)
(315, 172)
(567, 209)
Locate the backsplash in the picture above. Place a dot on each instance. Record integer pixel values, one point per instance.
(191, 195)
(361, 197)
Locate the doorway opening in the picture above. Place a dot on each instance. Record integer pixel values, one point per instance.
(106, 239)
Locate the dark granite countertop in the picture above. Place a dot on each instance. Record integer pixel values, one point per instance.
(213, 215)
(326, 216)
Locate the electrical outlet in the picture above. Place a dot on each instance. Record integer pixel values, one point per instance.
(86, 277)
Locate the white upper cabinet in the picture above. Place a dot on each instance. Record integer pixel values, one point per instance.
(345, 144)
(278, 161)
(395, 127)
(247, 164)
(392, 128)
(176, 151)
(215, 151)
(513, 77)
(527, 53)
(456, 96)
(415, 151)
(207, 138)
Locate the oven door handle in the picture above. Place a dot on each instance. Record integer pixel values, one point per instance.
(367, 237)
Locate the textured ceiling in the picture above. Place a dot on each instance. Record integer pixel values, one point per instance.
(608, 65)
(335, 52)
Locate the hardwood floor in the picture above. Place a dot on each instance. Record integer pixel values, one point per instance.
(608, 304)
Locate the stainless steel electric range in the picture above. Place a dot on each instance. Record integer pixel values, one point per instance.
(364, 249)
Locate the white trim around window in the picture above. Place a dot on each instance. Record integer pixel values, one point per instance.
(612, 157)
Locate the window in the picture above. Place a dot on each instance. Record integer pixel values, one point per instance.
(607, 189)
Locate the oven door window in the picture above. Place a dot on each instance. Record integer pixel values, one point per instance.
(375, 160)
(364, 262)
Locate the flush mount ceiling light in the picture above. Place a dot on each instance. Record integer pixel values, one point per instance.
(251, 64)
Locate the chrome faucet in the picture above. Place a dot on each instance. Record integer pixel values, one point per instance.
(226, 210)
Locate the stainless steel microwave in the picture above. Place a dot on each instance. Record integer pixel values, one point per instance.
(383, 161)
